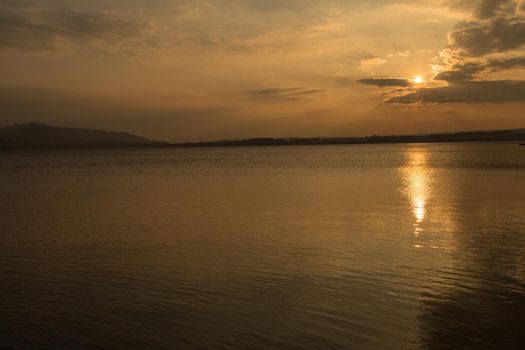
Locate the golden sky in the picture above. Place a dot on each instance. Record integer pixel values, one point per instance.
(181, 70)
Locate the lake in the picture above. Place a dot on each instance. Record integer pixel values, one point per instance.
(408, 246)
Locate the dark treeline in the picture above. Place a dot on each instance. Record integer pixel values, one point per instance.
(469, 136)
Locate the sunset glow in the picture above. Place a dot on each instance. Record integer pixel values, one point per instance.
(262, 174)
(227, 69)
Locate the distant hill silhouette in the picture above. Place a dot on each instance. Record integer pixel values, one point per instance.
(41, 136)
(516, 135)
(36, 136)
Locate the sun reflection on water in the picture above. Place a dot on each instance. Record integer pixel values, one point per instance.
(417, 180)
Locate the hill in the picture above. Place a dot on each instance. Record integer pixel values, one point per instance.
(37, 136)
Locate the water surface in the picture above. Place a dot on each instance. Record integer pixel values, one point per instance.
(316, 247)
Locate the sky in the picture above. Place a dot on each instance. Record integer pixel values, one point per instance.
(189, 70)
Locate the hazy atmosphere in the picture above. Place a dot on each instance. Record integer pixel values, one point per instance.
(262, 174)
(184, 70)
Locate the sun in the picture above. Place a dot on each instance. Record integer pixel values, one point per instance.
(418, 79)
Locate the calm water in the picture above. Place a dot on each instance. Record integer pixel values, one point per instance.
(328, 247)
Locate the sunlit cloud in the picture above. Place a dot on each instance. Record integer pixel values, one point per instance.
(376, 61)
(490, 42)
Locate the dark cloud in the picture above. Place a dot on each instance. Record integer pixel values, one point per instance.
(483, 9)
(498, 26)
(32, 26)
(282, 94)
(383, 82)
(491, 8)
(504, 64)
(468, 71)
(467, 92)
(453, 76)
(460, 72)
(498, 29)
(309, 92)
(500, 34)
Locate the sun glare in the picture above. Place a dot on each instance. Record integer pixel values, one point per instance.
(418, 79)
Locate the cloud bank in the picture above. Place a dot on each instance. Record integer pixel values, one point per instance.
(491, 41)
(467, 92)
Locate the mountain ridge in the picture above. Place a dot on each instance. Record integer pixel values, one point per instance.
(33, 135)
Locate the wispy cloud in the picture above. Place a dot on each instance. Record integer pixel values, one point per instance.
(282, 94)
(28, 25)
(376, 61)
(383, 82)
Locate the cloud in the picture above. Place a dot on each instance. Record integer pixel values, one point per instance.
(488, 43)
(453, 76)
(236, 26)
(496, 26)
(467, 92)
(460, 72)
(376, 61)
(483, 9)
(277, 5)
(468, 71)
(282, 94)
(27, 25)
(491, 8)
(382, 82)
(504, 64)
(500, 34)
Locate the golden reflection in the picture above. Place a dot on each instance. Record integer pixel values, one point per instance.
(417, 180)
